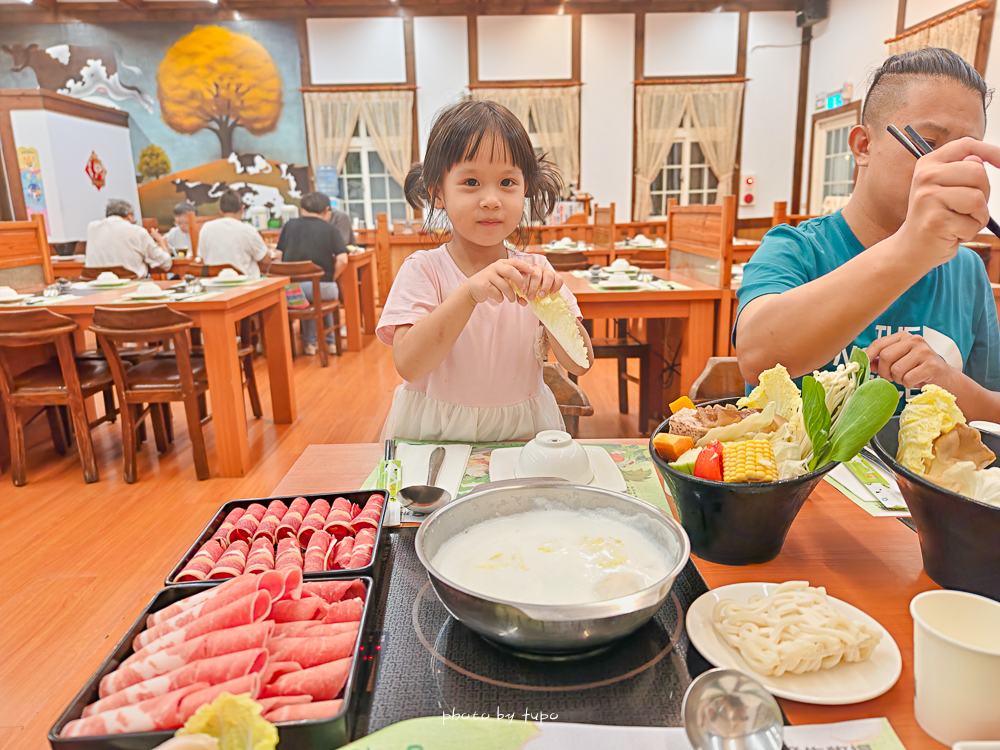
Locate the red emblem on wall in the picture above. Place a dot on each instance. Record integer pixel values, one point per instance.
(95, 171)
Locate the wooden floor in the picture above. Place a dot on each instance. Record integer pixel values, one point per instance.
(78, 562)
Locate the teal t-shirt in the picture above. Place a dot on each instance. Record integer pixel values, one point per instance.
(952, 307)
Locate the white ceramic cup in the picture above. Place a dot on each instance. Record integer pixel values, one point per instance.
(107, 277)
(228, 273)
(619, 264)
(149, 289)
(956, 665)
(7, 293)
(554, 453)
(619, 277)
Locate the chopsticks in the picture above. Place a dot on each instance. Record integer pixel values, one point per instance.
(918, 147)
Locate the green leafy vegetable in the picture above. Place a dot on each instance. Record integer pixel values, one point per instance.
(861, 357)
(869, 409)
(816, 416)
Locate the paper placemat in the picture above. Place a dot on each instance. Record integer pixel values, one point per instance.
(415, 458)
(43, 301)
(659, 285)
(169, 298)
(539, 730)
(841, 478)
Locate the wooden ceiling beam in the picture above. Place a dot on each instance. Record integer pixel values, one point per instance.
(49, 11)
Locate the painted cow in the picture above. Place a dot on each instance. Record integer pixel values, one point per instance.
(200, 192)
(249, 163)
(261, 195)
(77, 71)
(296, 177)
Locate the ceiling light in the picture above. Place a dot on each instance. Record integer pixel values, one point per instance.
(28, 2)
(237, 16)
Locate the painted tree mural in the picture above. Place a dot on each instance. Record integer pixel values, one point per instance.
(153, 162)
(218, 79)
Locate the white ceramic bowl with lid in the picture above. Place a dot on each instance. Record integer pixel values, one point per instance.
(554, 453)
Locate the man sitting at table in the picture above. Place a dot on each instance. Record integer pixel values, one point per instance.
(887, 272)
(313, 238)
(118, 241)
(228, 240)
(179, 236)
(342, 220)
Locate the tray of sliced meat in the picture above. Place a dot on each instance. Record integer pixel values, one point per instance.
(332, 535)
(292, 645)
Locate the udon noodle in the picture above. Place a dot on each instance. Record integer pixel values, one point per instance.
(793, 630)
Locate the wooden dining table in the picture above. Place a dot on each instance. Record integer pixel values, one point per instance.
(871, 563)
(217, 317)
(695, 306)
(358, 284)
(598, 256)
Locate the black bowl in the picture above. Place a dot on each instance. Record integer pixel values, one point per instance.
(735, 524)
(959, 536)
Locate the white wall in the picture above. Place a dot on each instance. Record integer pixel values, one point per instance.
(918, 11)
(993, 123)
(64, 145)
(691, 44)
(773, 49)
(441, 51)
(849, 46)
(606, 107)
(525, 47)
(356, 50)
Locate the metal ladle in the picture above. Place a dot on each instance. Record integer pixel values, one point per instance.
(423, 499)
(725, 709)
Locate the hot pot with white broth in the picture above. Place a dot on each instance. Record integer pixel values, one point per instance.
(541, 566)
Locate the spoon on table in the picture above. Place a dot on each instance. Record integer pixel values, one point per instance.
(724, 708)
(423, 499)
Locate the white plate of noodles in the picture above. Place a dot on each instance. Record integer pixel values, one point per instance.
(787, 628)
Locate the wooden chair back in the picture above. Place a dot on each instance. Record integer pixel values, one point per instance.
(700, 240)
(89, 274)
(206, 271)
(721, 378)
(781, 215)
(195, 223)
(32, 327)
(604, 227)
(391, 249)
(139, 325)
(151, 223)
(25, 257)
(572, 261)
(580, 218)
(543, 234)
(298, 271)
(651, 229)
(652, 258)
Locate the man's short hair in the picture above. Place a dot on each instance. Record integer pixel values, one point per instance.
(184, 207)
(315, 203)
(118, 207)
(230, 202)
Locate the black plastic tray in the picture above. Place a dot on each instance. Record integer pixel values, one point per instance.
(358, 496)
(322, 734)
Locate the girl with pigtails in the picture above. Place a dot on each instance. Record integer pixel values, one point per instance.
(468, 346)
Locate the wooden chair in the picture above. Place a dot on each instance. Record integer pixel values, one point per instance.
(151, 223)
(155, 383)
(652, 258)
(604, 228)
(781, 215)
(546, 233)
(721, 378)
(580, 218)
(651, 229)
(571, 261)
(245, 333)
(89, 274)
(305, 272)
(25, 256)
(195, 223)
(61, 382)
(573, 402)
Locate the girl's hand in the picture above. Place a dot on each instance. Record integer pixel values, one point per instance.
(497, 281)
(541, 280)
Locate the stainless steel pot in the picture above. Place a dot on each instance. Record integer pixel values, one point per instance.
(549, 629)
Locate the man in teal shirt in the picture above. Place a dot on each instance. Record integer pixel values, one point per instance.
(887, 273)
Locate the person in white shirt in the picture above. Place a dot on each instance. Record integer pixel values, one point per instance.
(229, 240)
(118, 241)
(179, 236)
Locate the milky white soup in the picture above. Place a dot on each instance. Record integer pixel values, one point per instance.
(553, 557)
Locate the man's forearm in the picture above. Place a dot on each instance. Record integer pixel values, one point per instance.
(806, 327)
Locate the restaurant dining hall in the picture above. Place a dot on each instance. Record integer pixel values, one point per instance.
(544, 374)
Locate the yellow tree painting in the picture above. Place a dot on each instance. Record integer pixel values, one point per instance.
(219, 80)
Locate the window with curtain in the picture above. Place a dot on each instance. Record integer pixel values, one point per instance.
(365, 185)
(957, 31)
(685, 175)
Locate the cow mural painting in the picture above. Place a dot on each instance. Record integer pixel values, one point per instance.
(215, 105)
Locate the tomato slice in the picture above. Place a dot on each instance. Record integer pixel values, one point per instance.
(708, 465)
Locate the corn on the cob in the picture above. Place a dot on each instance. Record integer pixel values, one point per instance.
(749, 461)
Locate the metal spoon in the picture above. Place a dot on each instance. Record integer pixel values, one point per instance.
(423, 499)
(725, 709)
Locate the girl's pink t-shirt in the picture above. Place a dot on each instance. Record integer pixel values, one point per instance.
(494, 361)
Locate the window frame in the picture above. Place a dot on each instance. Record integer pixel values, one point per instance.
(851, 114)
(685, 135)
(363, 145)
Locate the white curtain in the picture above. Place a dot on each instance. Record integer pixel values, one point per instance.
(331, 117)
(960, 34)
(658, 113)
(389, 117)
(715, 117)
(556, 114)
